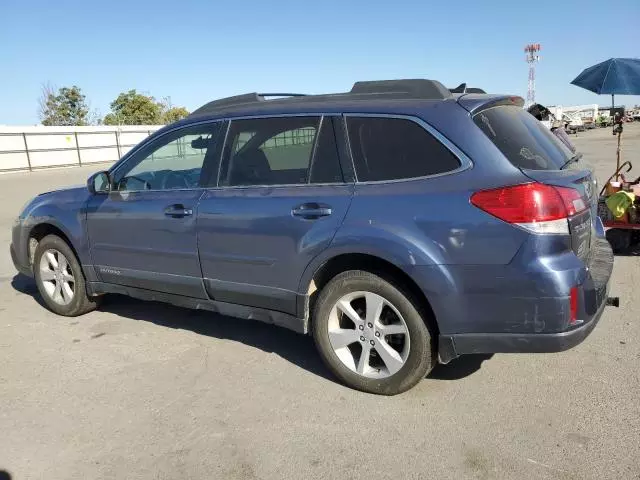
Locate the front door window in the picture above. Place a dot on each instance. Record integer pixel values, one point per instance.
(174, 161)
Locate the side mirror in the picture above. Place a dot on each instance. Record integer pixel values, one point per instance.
(99, 183)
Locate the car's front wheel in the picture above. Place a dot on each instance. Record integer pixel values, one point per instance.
(371, 333)
(60, 279)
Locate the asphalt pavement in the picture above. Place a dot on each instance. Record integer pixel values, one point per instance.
(145, 390)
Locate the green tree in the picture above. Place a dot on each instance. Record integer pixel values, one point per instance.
(67, 106)
(173, 114)
(133, 108)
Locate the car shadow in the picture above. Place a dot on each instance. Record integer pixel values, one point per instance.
(459, 368)
(297, 349)
(632, 251)
(26, 285)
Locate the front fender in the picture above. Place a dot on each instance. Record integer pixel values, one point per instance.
(66, 211)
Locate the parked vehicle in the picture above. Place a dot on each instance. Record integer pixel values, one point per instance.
(399, 224)
(574, 122)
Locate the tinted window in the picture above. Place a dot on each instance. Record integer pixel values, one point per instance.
(174, 161)
(326, 163)
(393, 148)
(291, 149)
(269, 151)
(242, 139)
(522, 138)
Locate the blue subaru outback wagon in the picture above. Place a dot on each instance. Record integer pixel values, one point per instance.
(401, 224)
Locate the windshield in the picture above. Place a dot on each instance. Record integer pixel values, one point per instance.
(522, 138)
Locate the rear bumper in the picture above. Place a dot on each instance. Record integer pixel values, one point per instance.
(472, 343)
(593, 294)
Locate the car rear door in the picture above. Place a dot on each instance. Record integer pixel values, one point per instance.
(278, 203)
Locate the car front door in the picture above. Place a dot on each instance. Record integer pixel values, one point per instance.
(278, 203)
(143, 232)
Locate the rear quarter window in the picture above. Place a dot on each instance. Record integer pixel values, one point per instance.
(394, 148)
(521, 138)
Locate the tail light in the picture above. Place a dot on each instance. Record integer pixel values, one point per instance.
(536, 207)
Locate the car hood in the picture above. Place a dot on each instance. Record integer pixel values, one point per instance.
(72, 189)
(67, 199)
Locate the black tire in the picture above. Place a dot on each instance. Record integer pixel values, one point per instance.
(80, 303)
(620, 240)
(421, 357)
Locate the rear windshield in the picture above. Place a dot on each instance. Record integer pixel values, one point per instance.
(525, 141)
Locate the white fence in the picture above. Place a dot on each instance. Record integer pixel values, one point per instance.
(30, 148)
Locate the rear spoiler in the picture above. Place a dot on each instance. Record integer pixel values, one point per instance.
(462, 88)
(475, 103)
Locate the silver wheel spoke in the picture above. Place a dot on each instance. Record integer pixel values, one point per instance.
(57, 293)
(345, 307)
(67, 292)
(342, 337)
(347, 358)
(49, 287)
(51, 258)
(375, 303)
(391, 358)
(62, 263)
(363, 363)
(47, 275)
(392, 329)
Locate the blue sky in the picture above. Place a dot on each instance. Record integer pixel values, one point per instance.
(195, 51)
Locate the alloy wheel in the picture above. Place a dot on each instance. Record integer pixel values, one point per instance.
(57, 277)
(368, 334)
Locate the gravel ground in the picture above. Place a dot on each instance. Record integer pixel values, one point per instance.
(142, 390)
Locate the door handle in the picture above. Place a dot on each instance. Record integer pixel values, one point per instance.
(312, 211)
(178, 211)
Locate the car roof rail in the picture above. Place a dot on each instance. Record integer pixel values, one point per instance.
(265, 95)
(244, 99)
(404, 88)
(462, 88)
(416, 88)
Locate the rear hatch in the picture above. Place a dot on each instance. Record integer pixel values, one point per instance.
(544, 158)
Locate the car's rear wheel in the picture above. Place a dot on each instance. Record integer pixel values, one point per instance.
(371, 333)
(60, 279)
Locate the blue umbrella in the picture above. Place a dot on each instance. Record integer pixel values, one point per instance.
(614, 76)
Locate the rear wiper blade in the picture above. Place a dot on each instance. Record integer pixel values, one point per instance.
(573, 159)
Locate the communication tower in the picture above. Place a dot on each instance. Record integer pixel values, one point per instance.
(531, 57)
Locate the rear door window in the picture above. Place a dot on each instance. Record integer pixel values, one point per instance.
(269, 151)
(395, 148)
(521, 138)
